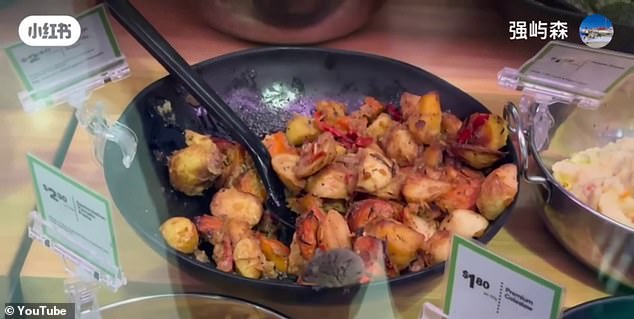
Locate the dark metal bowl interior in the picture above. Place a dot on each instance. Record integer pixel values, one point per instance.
(257, 84)
(621, 307)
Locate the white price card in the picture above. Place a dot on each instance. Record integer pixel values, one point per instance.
(76, 219)
(48, 72)
(579, 69)
(484, 285)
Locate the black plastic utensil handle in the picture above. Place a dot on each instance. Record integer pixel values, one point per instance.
(165, 54)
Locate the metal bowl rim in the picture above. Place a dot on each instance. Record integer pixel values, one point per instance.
(553, 182)
(595, 302)
(215, 297)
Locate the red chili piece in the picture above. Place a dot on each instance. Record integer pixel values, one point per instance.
(348, 139)
(467, 133)
(394, 112)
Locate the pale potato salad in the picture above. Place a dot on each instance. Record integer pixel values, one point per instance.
(602, 178)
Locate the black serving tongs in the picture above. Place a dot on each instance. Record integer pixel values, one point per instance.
(165, 54)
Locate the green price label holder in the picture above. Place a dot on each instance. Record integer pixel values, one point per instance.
(58, 75)
(75, 223)
(481, 284)
(55, 75)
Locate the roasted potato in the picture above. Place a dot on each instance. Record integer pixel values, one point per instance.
(425, 122)
(363, 212)
(422, 224)
(193, 169)
(464, 222)
(498, 191)
(433, 155)
(235, 164)
(340, 205)
(333, 232)
(419, 188)
(375, 171)
(402, 241)
(370, 109)
(477, 157)
(409, 104)
(486, 130)
(249, 182)
(331, 182)
(234, 204)
(301, 129)
(316, 155)
(180, 233)
(450, 126)
(439, 246)
(381, 187)
(462, 194)
(194, 138)
(330, 111)
(380, 126)
(305, 204)
(275, 251)
(248, 257)
(296, 263)
(393, 189)
(399, 145)
(284, 166)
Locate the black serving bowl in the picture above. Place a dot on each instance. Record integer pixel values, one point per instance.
(621, 307)
(258, 84)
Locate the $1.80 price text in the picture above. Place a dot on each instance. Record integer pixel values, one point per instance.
(475, 281)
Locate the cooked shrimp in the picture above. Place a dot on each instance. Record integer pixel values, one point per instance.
(316, 155)
(306, 232)
(363, 212)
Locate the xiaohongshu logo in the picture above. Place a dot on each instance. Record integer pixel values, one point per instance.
(49, 30)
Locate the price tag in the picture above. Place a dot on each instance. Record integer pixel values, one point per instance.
(483, 285)
(76, 222)
(578, 68)
(51, 74)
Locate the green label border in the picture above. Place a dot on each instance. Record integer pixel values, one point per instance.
(459, 242)
(33, 162)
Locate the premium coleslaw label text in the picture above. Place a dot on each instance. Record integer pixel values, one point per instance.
(484, 285)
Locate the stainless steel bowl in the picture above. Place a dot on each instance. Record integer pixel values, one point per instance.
(595, 239)
(186, 306)
(288, 21)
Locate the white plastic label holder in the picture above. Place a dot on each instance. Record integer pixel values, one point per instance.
(84, 277)
(430, 311)
(564, 73)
